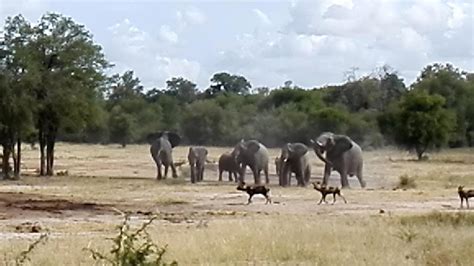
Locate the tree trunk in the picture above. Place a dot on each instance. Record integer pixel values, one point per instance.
(17, 167)
(51, 139)
(42, 144)
(419, 152)
(6, 161)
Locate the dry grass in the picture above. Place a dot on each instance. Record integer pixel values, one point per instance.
(209, 223)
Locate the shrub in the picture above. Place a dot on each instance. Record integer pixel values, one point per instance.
(133, 247)
(406, 182)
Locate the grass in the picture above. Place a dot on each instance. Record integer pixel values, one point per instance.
(437, 218)
(209, 224)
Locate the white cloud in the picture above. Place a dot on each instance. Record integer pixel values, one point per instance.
(190, 16)
(322, 39)
(152, 60)
(264, 19)
(31, 9)
(166, 34)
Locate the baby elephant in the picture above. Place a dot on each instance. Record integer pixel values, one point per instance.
(197, 157)
(328, 190)
(465, 195)
(227, 162)
(256, 189)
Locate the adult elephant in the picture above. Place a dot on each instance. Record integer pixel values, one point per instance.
(294, 158)
(197, 157)
(253, 154)
(161, 149)
(342, 155)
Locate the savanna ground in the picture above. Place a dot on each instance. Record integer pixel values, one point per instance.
(210, 224)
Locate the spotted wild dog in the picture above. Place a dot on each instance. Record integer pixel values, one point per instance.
(253, 190)
(465, 195)
(324, 190)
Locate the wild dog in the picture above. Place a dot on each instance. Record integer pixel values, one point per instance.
(253, 190)
(465, 195)
(324, 190)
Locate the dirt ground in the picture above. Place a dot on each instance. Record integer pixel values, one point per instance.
(101, 178)
(99, 182)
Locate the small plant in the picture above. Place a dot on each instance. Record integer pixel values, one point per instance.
(133, 247)
(24, 255)
(406, 234)
(406, 182)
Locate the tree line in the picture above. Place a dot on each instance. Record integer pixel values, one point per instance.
(53, 87)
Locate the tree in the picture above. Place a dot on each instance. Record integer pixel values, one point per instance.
(184, 90)
(16, 82)
(422, 122)
(203, 122)
(122, 126)
(69, 68)
(452, 84)
(225, 82)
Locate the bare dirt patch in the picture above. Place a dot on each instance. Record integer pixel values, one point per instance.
(14, 205)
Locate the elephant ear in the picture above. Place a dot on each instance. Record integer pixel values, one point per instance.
(298, 149)
(342, 144)
(173, 138)
(150, 138)
(253, 146)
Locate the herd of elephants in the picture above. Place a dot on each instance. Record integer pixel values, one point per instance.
(338, 152)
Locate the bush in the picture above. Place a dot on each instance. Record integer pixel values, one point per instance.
(406, 182)
(133, 247)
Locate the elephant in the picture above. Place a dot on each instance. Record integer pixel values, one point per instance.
(253, 154)
(227, 162)
(342, 155)
(197, 157)
(277, 165)
(294, 158)
(161, 150)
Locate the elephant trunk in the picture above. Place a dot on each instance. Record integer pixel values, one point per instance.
(320, 155)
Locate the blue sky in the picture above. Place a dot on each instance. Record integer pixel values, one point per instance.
(311, 43)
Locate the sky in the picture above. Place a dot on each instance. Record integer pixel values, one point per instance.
(312, 43)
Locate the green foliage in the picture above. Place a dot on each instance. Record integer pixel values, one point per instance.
(406, 181)
(422, 122)
(184, 90)
(122, 126)
(225, 82)
(133, 247)
(203, 122)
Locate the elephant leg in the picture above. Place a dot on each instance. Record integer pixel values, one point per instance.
(242, 173)
(202, 173)
(265, 171)
(220, 174)
(285, 175)
(333, 198)
(193, 174)
(361, 179)
(235, 176)
(173, 170)
(166, 170)
(158, 174)
(158, 166)
(307, 174)
(344, 181)
(256, 176)
(230, 176)
(327, 173)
